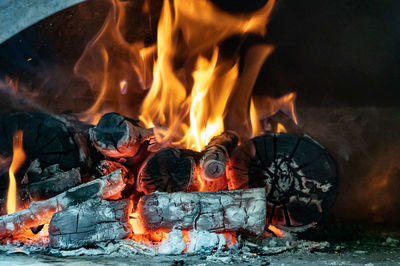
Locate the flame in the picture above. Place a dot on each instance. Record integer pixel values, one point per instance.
(278, 232)
(255, 123)
(194, 108)
(280, 128)
(17, 161)
(266, 106)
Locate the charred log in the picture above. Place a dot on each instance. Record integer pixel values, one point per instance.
(298, 173)
(40, 212)
(48, 138)
(214, 160)
(169, 170)
(217, 154)
(116, 136)
(48, 187)
(89, 223)
(220, 211)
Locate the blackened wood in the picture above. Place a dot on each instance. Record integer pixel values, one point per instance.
(51, 186)
(298, 173)
(116, 136)
(220, 211)
(48, 187)
(40, 212)
(46, 138)
(89, 223)
(169, 170)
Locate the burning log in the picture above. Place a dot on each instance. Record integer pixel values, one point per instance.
(40, 212)
(169, 170)
(116, 136)
(220, 211)
(89, 223)
(217, 154)
(298, 173)
(214, 160)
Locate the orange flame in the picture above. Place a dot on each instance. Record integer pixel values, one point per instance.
(195, 116)
(17, 161)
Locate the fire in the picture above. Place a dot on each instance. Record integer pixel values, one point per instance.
(255, 123)
(280, 128)
(278, 232)
(185, 102)
(17, 161)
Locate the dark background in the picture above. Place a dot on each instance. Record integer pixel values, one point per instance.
(341, 57)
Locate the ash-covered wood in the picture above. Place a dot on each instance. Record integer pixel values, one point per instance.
(40, 212)
(220, 211)
(169, 170)
(91, 222)
(116, 136)
(298, 173)
(217, 153)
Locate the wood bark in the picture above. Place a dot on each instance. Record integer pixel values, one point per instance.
(90, 222)
(117, 137)
(220, 211)
(298, 174)
(40, 212)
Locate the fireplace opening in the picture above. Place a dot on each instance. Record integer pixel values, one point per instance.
(214, 131)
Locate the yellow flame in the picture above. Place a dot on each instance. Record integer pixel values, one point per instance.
(280, 128)
(194, 116)
(17, 161)
(255, 123)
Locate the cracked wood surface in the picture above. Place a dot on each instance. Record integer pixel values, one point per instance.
(40, 212)
(89, 223)
(220, 211)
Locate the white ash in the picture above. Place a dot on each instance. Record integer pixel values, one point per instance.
(174, 244)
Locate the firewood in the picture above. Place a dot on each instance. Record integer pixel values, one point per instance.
(214, 160)
(169, 170)
(44, 189)
(52, 185)
(298, 173)
(116, 136)
(220, 211)
(217, 154)
(47, 138)
(40, 212)
(89, 223)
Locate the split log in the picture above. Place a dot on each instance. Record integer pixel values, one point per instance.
(116, 136)
(40, 212)
(298, 173)
(220, 211)
(169, 170)
(89, 223)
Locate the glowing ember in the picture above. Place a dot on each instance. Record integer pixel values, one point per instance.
(17, 161)
(278, 232)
